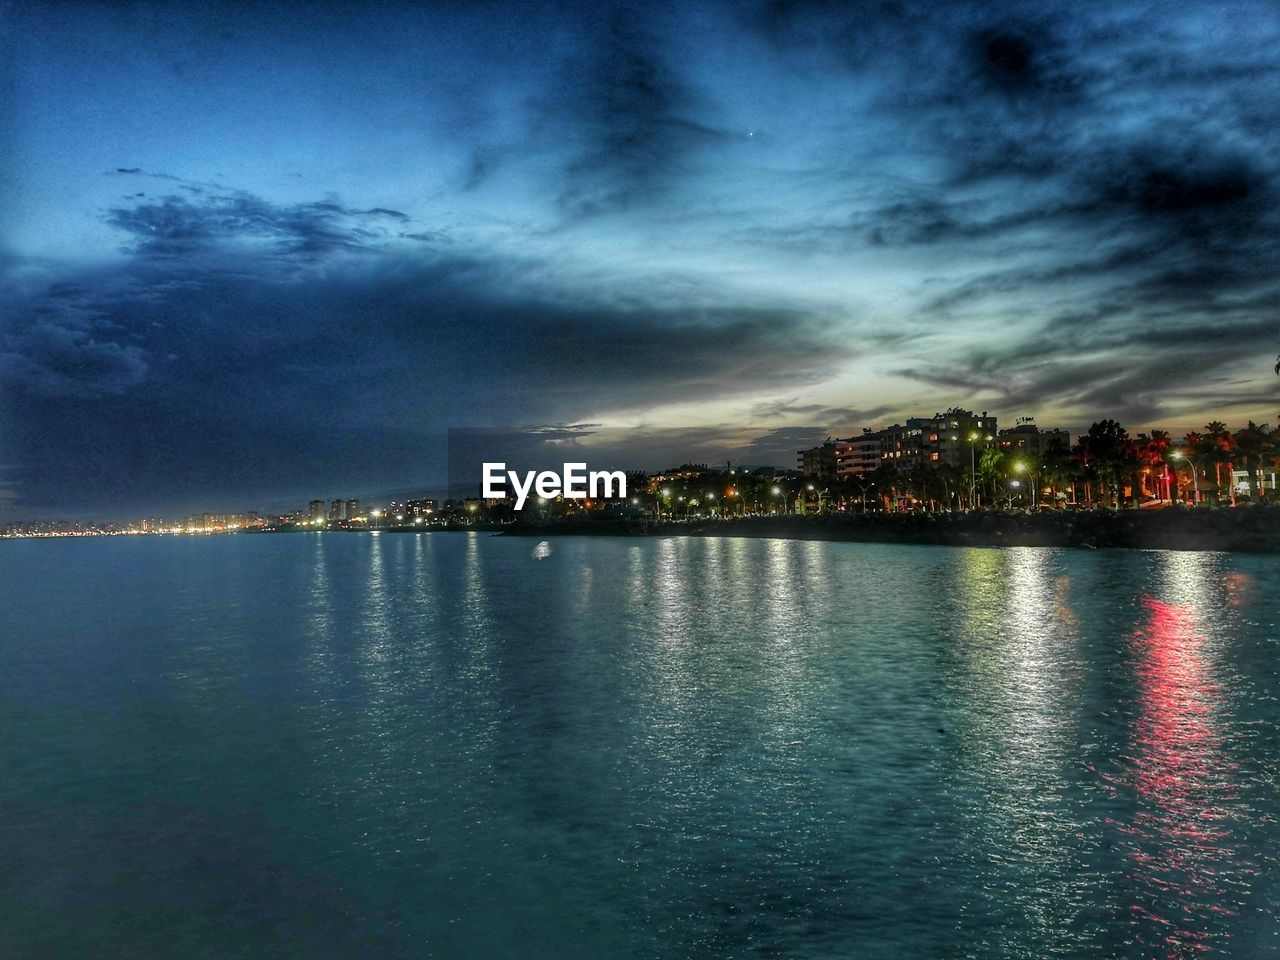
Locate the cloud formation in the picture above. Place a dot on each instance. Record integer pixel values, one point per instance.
(176, 225)
(316, 248)
(261, 341)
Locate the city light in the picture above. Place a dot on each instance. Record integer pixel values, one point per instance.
(1141, 474)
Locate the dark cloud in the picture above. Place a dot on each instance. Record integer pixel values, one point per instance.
(833, 419)
(778, 446)
(226, 373)
(174, 225)
(637, 122)
(1138, 205)
(427, 236)
(1112, 369)
(1026, 61)
(50, 360)
(621, 125)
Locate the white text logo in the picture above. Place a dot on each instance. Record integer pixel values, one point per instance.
(574, 483)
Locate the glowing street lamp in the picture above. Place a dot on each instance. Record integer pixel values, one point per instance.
(1021, 467)
(1195, 483)
(973, 468)
(1014, 486)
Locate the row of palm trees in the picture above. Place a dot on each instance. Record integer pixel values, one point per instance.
(1108, 467)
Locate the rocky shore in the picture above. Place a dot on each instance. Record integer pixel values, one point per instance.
(1253, 529)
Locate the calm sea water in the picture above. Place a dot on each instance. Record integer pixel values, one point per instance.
(386, 746)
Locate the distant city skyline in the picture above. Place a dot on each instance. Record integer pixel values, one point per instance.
(252, 253)
(941, 439)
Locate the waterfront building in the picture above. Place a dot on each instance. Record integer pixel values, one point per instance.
(818, 463)
(946, 438)
(680, 474)
(901, 445)
(1266, 480)
(1027, 438)
(315, 510)
(859, 456)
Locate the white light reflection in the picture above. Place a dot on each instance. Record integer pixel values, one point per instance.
(1025, 693)
(377, 608)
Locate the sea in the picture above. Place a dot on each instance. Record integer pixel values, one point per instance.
(385, 745)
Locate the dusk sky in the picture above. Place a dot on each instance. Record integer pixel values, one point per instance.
(271, 251)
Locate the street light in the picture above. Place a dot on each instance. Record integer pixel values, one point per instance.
(864, 496)
(1195, 484)
(973, 469)
(1021, 467)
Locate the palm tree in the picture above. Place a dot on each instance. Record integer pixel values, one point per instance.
(1219, 444)
(952, 479)
(1151, 452)
(991, 469)
(885, 481)
(1191, 456)
(1060, 468)
(1108, 455)
(1255, 443)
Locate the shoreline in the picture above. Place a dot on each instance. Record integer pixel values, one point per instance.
(1242, 529)
(1250, 529)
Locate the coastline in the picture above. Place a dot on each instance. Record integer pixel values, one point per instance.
(1249, 529)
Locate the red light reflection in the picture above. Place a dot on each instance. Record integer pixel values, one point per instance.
(1184, 786)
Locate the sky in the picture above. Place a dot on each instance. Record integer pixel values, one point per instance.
(257, 253)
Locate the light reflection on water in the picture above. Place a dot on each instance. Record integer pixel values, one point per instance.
(398, 745)
(1189, 872)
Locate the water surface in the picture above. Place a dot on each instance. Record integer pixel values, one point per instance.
(349, 746)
